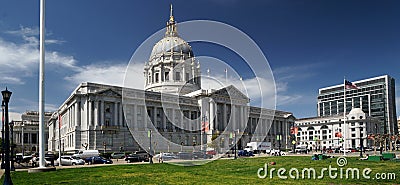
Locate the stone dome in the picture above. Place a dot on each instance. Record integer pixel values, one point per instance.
(172, 67)
(171, 45)
(356, 111)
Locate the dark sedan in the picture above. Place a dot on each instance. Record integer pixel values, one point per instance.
(132, 158)
(98, 160)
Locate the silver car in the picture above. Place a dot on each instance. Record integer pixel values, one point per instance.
(71, 160)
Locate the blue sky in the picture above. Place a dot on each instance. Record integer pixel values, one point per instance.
(309, 44)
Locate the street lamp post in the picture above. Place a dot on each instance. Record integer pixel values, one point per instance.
(235, 144)
(361, 143)
(2, 135)
(279, 138)
(6, 98)
(12, 145)
(150, 151)
(22, 138)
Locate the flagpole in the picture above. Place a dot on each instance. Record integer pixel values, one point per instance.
(41, 85)
(226, 76)
(344, 117)
(59, 137)
(208, 75)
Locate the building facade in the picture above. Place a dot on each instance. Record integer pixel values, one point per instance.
(26, 132)
(374, 96)
(398, 124)
(172, 113)
(328, 132)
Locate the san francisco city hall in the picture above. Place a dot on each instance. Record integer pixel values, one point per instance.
(181, 113)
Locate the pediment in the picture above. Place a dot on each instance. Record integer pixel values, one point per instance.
(108, 92)
(231, 92)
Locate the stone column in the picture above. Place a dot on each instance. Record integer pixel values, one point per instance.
(155, 117)
(183, 125)
(134, 117)
(121, 118)
(233, 116)
(116, 114)
(173, 120)
(145, 117)
(211, 116)
(96, 113)
(225, 118)
(89, 112)
(102, 113)
(164, 120)
(72, 115)
(183, 73)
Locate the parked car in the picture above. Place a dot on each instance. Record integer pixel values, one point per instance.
(143, 155)
(211, 152)
(83, 154)
(277, 153)
(68, 160)
(245, 153)
(345, 151)
(19, 158)
(98, 160)
(185, 155)
(165, 156)
(118, 155)
(201, 155)
(132, 158)
(301, 149)
(49, 161)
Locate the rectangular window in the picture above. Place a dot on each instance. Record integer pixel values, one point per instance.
(156, 77)
(26, 136)
(177, 76)
(187, 77)
(166, 76)
(34, 138)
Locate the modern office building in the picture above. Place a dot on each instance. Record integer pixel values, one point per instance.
(172, 113)
(375, 96)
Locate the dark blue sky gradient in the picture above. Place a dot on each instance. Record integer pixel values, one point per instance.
(309, 44)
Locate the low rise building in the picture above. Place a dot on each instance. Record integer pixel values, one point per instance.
(318, 133)
(25, 133)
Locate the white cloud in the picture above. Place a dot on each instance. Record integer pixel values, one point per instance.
(20, 60)
(11, 80)
(257, 89)
(111, 74)
(14, 116)
(284, 76)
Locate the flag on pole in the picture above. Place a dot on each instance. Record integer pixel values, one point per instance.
(350, 85)
(205, 126)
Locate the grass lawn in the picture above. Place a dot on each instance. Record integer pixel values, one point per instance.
(240, 171)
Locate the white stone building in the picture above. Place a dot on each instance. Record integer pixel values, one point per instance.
(172, 105)
(331, 132)
(26, 132)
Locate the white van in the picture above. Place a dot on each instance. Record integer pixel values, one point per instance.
(83, 154)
